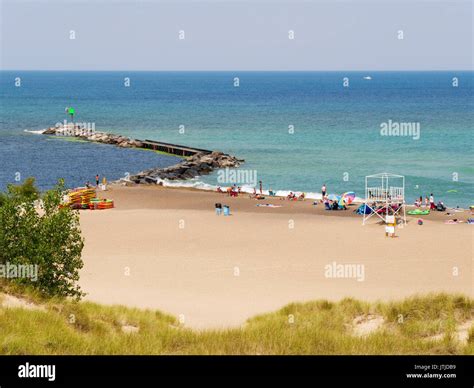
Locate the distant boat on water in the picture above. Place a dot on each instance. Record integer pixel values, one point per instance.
(368, 77)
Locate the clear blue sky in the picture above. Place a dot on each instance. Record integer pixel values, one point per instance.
(236, 35)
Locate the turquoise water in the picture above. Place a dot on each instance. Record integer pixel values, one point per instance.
(336, 137)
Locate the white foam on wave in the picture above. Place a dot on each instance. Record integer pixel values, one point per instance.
(37, 132)
(190, 183)
(199, 185)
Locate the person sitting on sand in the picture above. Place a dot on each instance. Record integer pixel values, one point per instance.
(417, 203)
(343, 206)
(301, 197)
(334, 206)
(291, 196)
(326, 204)
(427, 201)
(219, 190)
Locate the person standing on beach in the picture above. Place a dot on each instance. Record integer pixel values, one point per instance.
(432, 203)
(323, 192)
(261, 189)
(97, 180)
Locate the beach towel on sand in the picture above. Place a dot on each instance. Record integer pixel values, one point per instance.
(418, 212)
(267, 205)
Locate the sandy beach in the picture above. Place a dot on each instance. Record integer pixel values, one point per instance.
(165, 249)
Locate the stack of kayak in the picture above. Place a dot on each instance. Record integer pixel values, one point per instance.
(101, 204)
(85, 198)
(80, 198)
(106, 204)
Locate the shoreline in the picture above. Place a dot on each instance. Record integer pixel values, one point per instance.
(183, 174)
(291, 207)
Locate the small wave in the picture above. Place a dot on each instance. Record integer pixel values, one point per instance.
(199, 185)
(38, 132)
(191, 183)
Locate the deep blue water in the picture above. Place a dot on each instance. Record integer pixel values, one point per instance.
(336, 129)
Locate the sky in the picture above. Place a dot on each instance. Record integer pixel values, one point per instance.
(236, 35)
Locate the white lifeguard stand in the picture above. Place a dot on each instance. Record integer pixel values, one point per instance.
(385, 191)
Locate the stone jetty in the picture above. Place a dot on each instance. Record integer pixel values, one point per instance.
(197, 162)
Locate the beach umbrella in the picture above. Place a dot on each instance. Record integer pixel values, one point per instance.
(334, 197)
(349, 197)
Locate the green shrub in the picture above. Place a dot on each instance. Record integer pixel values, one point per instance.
(26, 191)
(47, 236)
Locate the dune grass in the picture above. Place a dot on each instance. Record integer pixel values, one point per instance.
(320, 327)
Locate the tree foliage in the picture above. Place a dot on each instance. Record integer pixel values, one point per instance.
(42, 233)
(27, 190)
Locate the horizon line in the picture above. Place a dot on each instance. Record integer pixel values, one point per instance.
(236, 70)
